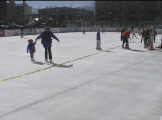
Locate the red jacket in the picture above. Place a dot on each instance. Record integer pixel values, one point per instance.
(126, 34)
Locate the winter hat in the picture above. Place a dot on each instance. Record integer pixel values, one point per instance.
(30, 40)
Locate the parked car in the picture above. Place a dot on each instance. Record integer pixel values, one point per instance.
(3, 27)
(70, 25)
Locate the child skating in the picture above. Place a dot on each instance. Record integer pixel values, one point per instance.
(98, 40)
(142, 35)
(31, 49)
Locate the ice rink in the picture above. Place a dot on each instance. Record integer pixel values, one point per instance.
(83, 83)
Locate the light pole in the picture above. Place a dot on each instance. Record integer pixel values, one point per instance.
(110, 19)
(55, 15)
(84, 20)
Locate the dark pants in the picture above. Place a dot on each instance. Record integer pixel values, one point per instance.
(154, 38)
(31, 55)
(146, 41)
(48, 52)
(125, 40)
(121, 38)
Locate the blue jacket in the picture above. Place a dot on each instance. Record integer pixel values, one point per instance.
(31, 47)
(98, 36)
(47, 44)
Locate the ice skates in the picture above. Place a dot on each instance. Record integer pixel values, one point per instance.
(32, 59)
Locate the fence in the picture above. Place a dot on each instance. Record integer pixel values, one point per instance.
(16, 32)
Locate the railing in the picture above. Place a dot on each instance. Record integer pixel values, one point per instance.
(16, 32)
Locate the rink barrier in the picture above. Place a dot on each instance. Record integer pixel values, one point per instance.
(61, 64)
(17, 32)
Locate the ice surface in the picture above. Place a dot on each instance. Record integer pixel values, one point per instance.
(117, 84)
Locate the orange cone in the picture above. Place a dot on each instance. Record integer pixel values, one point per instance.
(151, 44)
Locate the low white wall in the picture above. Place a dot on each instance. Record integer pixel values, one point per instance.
(61, 30)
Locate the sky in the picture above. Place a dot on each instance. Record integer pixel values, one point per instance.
(52, 3)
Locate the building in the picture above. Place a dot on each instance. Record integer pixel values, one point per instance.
(31, 18)
(125, 13)
(11, 12)
(65, 15)
(20, 14)
(3, 10)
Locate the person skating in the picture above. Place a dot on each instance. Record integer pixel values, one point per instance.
(154, 33)
(146, 36)
(47, 42)
(122, 31)
(98, 40)
(142, 35)
(31, 49)
(126, 35)
(151, 37)
(22, 28)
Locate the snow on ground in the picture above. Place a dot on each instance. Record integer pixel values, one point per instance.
(86, 84)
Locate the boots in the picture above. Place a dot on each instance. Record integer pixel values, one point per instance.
(127, 47)
(122, 45)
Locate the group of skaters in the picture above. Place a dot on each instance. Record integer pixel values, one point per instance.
(148, 34)
(46, 39)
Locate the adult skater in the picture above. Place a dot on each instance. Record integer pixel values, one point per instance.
(47, 42)
(146, 36)
(22, 33)
(126, 35)
(142, 35)
(154, 33)
(98, 40)
(151, 37)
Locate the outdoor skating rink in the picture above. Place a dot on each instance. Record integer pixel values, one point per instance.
(83, 84)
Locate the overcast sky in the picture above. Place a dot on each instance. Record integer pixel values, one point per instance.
(55, 3)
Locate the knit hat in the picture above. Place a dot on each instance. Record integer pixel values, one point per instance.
(30, 40)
